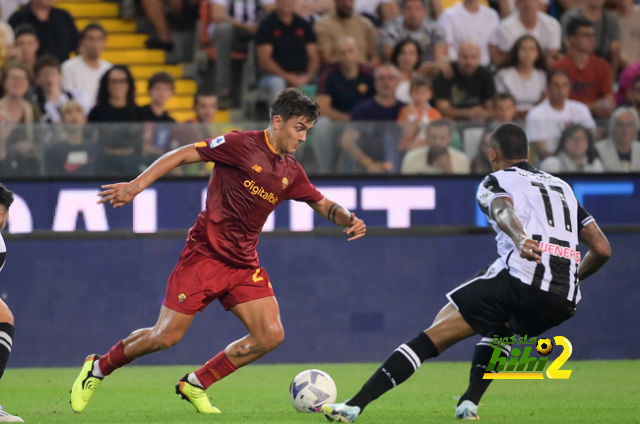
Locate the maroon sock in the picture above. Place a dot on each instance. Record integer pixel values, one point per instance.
(114, 359)
(216, 369)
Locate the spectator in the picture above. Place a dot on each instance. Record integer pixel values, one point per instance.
(634, 96)
(481, 164)
(22, 156)
(75, 153)
(287, 50)
(523, 74)
(234, 25)
(161, 89)
(468, 94)
(406, 57)
(505, 108)
(156, 11)
(27, 45)
(310, 10)
(591, 80)
(369, 145)
(528, 20)
(546, 121)
(469, 20)
(621, 151)
(417, 115)
(50, 97)
(629, 19)
(625, 83)
(575, 153)
(437, 157)
(342, 22)
(378, 11)
(416, 25)
(7, 40)
(83, 72)
(119, 144)
(55, 27)
(14, 79)
(9, 7)
(205, 106)
(607, 30)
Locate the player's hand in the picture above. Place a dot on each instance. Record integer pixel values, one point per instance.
(356, 228)
(530, 250)
(119, 194)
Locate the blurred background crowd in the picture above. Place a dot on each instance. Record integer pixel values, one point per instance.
(94, 87)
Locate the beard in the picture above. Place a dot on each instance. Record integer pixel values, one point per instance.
(344, 13)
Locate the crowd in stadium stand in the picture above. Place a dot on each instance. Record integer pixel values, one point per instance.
(405, 86)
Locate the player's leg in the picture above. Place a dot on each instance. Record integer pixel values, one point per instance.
(6, 335)
(168, 331)
(448, 328)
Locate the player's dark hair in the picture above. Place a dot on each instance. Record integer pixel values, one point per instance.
(420, 81)
(512, 141)
(161, 78)
(93, 26)
(592, 153)
(202, 93)
(46, 61)
(576, 23)
(291, 102)
(513, 59)
(6, 197)
(555, 72)
(395, 56)
(504, 96)
(23, 29)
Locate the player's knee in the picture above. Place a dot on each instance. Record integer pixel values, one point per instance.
(5, 314)
(272, 337)
(167, 339)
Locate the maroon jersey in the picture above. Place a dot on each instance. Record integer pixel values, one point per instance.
(247, 183)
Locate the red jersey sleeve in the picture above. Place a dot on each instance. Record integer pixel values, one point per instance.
(302, 190)
(225, 149)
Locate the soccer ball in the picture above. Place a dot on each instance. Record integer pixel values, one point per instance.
(544, 347)
(311, 389)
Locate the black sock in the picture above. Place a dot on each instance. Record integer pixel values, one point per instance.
(6, 341)
(481, 357)
(398, 367)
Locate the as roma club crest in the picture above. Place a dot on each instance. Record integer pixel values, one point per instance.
(285, 182)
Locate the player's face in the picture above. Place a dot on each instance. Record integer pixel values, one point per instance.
(4, 217)
(577, 145)
(291, 134)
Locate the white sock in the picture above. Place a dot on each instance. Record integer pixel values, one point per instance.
(194, 380)
(96, 371)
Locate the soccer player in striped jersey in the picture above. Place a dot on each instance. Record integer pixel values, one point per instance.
(533, 286)
(6, 317)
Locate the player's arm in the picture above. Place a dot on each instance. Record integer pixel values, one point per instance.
(599, 250)
(122, 193)
(505, 216)
(339, 215)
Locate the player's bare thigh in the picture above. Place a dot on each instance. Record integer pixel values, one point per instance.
(448, 328)
(5, 313)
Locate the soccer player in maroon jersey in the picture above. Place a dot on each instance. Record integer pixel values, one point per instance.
(254, 172)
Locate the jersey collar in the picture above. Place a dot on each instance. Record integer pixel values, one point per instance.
(266, 139)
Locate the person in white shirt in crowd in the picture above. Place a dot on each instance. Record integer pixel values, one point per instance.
(469, 20)
(416, 24)
(50, 96)
(545, 122)
(621, 151)
(379, 11)
(437, 157)
(406, 57)
(575, 153)
(84, 71)
(528, 20)
(523, 74)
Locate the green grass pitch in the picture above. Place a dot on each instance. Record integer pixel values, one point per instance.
(597, 392)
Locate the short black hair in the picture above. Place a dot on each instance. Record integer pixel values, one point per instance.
(395, 56)
(576, 23)
(291, 102)
(161, 78)
(93, 26)
(46, 61)
(6, 197)
(555, 72)
(23, 29)
(202, 93)
(504, 96)
(512, 141)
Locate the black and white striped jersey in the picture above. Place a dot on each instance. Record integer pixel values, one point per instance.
(3, 252)
(551, 215)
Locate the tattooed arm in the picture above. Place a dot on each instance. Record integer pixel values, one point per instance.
(599, 250)
(339, 215)
(122, 193)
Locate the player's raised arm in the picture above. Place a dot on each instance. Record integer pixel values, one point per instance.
(599, 250)
(505, 216)
(122, 193)
(339, 215)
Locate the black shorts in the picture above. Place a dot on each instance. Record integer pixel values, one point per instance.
(493, 298)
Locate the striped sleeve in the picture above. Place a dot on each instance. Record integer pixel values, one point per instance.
(3, 253)
(584, 217)
(489, 189)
